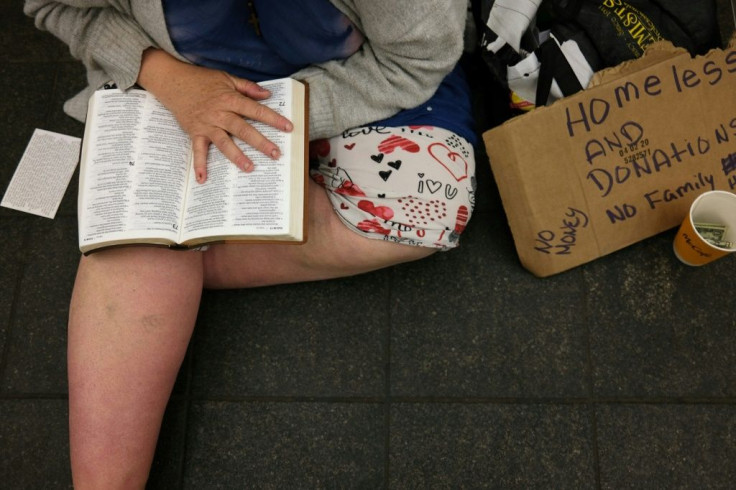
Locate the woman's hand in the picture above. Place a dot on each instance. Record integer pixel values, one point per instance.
(211, 106)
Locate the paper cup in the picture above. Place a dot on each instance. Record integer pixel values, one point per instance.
(718, 207)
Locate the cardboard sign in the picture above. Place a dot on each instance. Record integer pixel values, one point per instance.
(620, 161)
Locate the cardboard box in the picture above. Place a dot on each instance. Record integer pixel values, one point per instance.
(620, 161)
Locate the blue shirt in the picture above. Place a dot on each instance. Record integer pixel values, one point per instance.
(294, 34)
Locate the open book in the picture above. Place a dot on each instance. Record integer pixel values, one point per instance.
(137, 184)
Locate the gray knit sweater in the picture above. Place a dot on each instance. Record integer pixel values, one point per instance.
(410, 46)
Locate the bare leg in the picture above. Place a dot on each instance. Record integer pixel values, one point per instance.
(331, 251)
(132, 315)
(131, 318)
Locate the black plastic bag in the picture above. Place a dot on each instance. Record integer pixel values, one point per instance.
(546, 49)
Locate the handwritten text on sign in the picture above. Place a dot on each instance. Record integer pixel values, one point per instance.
(628, 153)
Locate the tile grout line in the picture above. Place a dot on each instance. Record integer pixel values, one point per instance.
(50, 109)
(387, 382)
(464, 400)
(593, 414)
(592, 407)
(14, 306)
(189, 359)
(467, 400)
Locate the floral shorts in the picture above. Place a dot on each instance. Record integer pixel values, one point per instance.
(412, 184)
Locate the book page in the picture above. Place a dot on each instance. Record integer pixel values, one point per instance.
(135, 162)
(43, 174)
(162, 164)
(232, 202)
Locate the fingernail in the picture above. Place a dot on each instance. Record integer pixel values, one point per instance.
(244, 164)
(275, 154)
(200, 177)
(288, 126)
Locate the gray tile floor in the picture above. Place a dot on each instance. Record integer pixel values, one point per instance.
(460, 371)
